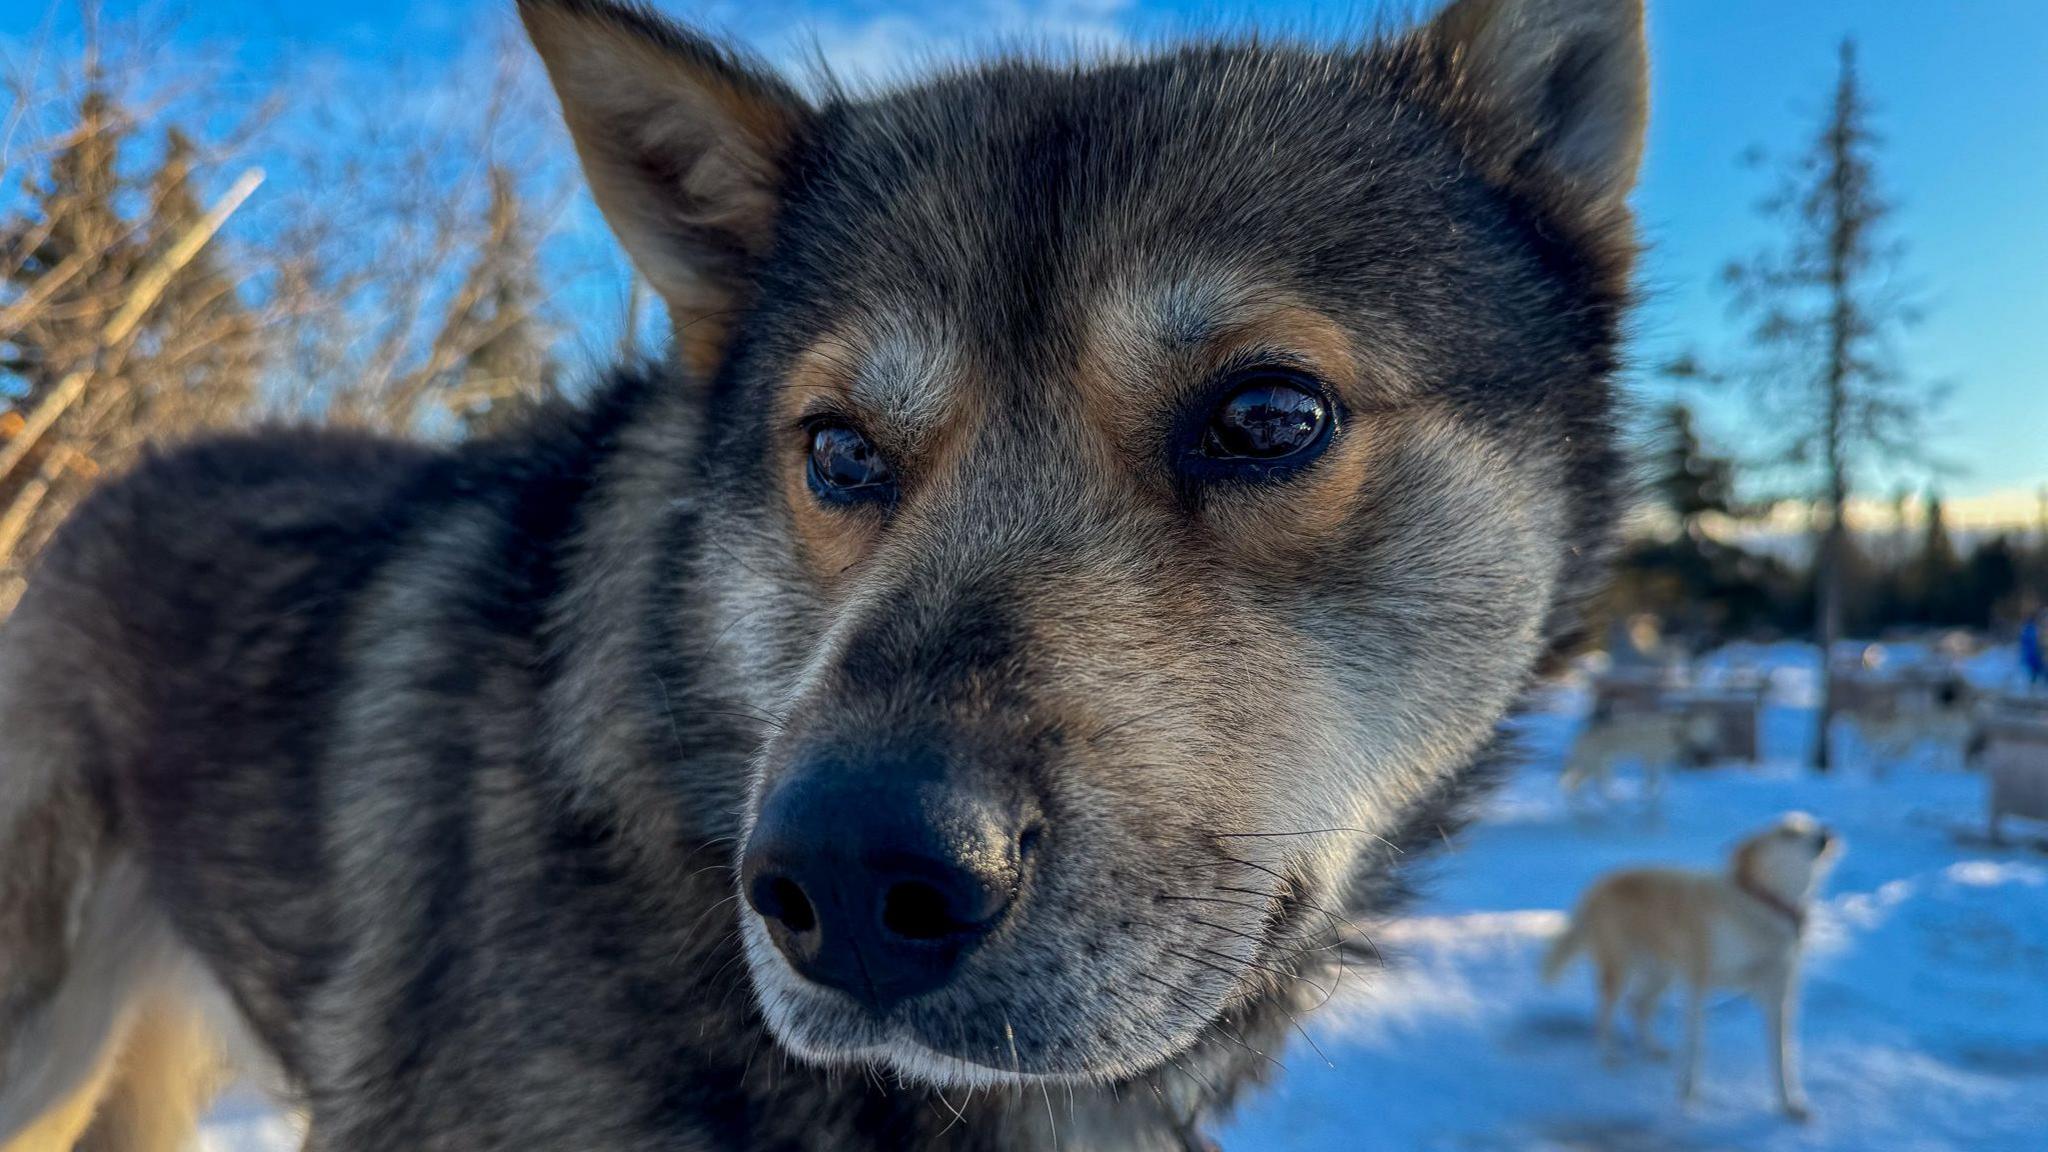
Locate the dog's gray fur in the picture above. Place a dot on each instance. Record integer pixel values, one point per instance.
(436, 762)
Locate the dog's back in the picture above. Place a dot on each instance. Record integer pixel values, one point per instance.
(163, 593)
(1644, 917)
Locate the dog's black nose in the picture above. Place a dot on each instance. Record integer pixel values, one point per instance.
(878, 887)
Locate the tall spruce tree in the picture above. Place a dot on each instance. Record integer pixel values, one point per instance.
(70, 250)
(1824, 310)
(204, 354)
(1937, 567)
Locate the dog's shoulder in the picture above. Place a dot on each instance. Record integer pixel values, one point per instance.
(220, 526)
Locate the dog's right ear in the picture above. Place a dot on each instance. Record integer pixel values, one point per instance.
(1572, 76)
(684, 143)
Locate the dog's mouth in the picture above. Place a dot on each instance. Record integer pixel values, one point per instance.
(1825, 842)
(1064, 995)
(921, 903)
(1058, 991)
(825, 1028)
(1047, 1033)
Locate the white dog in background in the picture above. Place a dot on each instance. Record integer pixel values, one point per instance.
(1650, 741)
(1646, 928)
(1945, 724)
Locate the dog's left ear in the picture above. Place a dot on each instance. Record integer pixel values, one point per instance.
(684, 143)
(1570, 77)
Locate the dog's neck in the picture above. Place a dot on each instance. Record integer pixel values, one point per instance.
(1792, 914)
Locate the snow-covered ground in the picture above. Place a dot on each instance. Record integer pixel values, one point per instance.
(1926, 1004)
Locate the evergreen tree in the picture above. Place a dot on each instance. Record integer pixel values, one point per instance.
(1823, 312)
(70, 250)
(65, 260)
(84, 249)
(1690, 481)
(1988, 585)
(1936, 569)
(202, 353)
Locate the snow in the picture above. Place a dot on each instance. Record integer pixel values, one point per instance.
(1925, 1011)
(245, 1122)
(1926, 1000)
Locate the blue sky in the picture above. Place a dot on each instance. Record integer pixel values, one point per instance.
(1961, 91)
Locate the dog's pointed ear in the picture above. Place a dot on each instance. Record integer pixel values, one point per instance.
(684, 143)
(1571, 77)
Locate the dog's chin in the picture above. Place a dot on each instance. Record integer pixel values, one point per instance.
(907, 1060)
(822, 1027)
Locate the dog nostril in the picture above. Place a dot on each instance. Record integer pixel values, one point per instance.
(914, 910)
(778, 898)
(797, 914)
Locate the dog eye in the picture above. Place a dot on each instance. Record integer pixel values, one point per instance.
(846, 468)
(1269, 421)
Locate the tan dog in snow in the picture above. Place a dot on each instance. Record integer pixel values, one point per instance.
(1648, 927)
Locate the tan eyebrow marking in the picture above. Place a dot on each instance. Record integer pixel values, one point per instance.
(1173, 332)
(904, 382)
(907, 375)
(903, 376)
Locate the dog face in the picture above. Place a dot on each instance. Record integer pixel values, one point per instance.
(1131, 492)
(1791, 857)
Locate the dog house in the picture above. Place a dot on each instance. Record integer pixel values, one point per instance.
(2016, 759)
(1637, 690)
(1730, 714)
(1908, 692)
(1859, 693)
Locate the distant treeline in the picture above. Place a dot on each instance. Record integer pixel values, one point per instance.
(1910, 575)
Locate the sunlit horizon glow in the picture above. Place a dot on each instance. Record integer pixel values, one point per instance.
(2008, 511)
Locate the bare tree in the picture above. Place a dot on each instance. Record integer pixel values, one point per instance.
(428, 268)
(389, 276)
(508, 366)
(118, 322)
